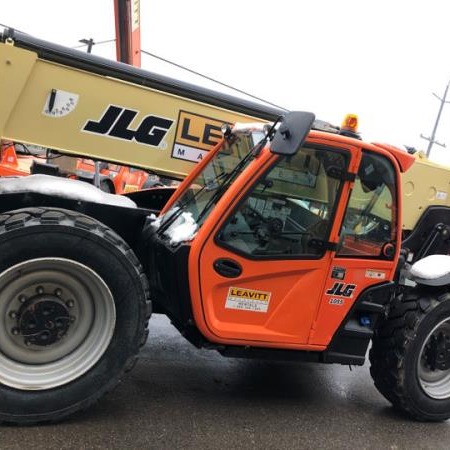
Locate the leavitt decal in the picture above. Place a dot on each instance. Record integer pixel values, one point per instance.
(248, 299)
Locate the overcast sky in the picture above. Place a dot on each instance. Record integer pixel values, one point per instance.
(379, 59)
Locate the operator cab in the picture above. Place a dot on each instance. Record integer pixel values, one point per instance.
(268, 237)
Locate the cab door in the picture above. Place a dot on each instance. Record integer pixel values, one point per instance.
(258, 275)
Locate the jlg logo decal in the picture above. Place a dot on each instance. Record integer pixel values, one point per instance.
(195, 135)
(116, 120)
(341, 290)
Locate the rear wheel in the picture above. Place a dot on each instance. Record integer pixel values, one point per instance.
(410, 356)
(73, 313)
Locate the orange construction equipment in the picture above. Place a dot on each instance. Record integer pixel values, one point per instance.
(292, 239)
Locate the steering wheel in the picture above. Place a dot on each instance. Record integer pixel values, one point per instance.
(267, 228)
(360, 224)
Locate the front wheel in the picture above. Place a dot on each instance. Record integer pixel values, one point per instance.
(410, 355)
(73, 313)
(59, 318)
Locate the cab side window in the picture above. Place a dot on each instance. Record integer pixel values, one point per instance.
(370, 220)
(289, 211)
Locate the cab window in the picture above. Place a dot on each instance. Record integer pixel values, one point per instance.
(370, 220)
(289, 211)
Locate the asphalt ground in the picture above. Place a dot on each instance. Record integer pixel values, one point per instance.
(179, 397)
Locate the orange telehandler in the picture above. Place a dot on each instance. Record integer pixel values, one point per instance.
(289, 240)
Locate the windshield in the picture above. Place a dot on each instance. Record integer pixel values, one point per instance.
(194, 205)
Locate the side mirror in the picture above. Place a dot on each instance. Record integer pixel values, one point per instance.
(292, 132)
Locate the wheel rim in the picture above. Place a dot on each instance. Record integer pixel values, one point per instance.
(57, 320)
(434, 362)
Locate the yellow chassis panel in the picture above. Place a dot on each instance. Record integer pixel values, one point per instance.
(424, 184)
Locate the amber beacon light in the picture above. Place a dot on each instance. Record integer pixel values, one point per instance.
(350, 123)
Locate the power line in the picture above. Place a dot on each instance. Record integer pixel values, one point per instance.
(78, 46)
(94, 43)
(211, 79)
(89, 43)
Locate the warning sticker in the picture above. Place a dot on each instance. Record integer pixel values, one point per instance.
(248, 299)
(375, 274)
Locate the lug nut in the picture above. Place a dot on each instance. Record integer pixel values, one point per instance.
(72, 319)
(22, 299)
(40, 290)
(58, 292)
(13, 314)
(27, 342)
(15, 331)
(70, 303)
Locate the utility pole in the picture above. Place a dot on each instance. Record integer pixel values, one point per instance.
(89, 42)
(431, 139)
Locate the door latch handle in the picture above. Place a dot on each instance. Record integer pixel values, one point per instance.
(227, 267)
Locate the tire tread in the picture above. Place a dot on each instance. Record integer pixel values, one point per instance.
(28, 217)
(391, 343)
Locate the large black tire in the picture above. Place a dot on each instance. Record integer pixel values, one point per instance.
(410, 355)
(74, 308)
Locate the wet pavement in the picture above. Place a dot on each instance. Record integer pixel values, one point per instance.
(179, 397)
